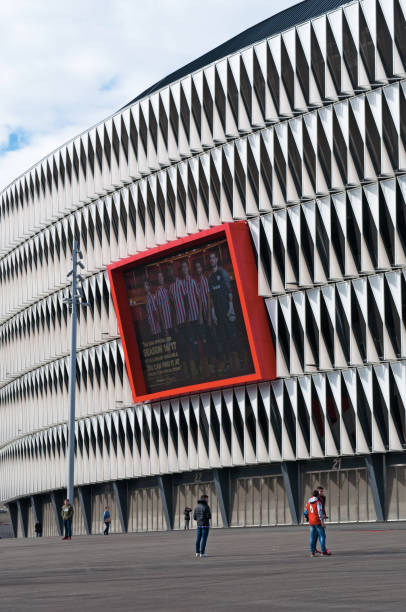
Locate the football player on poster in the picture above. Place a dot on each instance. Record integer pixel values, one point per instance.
(194, 314)
(163, 304)
(204, 329)
(152, 310)
(222, 313)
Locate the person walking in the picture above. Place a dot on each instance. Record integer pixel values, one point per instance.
(187, 512)
(38, 529)
(315, 514)
(106, 520)
(202, 515)
(67, 516)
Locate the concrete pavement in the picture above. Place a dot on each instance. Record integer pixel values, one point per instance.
(248, 569)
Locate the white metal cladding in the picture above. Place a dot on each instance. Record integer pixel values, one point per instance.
(343, 324)
(304, 136)
(342, 412)
(260, 173)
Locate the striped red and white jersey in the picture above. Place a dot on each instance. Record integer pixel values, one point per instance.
(136, 312)
(203, 286)
(192, 296)
(164, 307)
(177, 294)
(152, 314)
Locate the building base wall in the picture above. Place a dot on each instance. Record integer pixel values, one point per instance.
(249, 496)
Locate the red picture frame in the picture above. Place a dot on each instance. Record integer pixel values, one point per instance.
(252, 305)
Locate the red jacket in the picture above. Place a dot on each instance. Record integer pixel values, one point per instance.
(315, 511)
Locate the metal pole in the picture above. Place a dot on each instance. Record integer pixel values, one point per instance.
(72, 380)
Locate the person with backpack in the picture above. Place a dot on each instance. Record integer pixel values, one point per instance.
(315, 515)
(67, 516)
(106, 520)
(202, 515)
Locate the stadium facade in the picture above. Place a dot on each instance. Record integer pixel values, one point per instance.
(295, 129)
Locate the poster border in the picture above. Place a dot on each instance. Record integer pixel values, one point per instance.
(252, 305)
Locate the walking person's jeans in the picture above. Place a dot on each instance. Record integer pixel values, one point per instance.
(317, 531)
(201, 538)
(106, 528)
(187, 522)
(67, 523)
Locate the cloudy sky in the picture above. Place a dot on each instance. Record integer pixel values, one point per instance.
(67, 64)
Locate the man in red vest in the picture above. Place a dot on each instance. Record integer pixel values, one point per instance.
(315, 514)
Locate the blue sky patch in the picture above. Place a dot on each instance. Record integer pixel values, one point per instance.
(16, 139)
(109, 84)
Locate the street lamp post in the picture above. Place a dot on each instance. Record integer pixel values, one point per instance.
(76, 299)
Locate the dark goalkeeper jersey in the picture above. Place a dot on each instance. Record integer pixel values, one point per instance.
(220, 289)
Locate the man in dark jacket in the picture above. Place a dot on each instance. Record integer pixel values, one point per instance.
(202, 516)
(38, 529)
(322, 499)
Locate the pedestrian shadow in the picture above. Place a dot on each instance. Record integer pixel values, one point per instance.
(368, 553)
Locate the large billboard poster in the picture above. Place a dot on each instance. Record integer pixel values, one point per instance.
(190, 317)
(187, 318)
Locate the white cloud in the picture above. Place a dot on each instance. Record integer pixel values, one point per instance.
(67, 65)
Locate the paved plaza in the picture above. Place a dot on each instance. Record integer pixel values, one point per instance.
(248, 569)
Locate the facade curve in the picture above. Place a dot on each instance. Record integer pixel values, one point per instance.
(301, 136)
